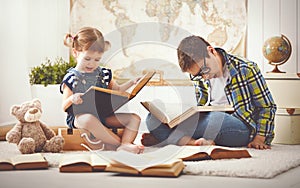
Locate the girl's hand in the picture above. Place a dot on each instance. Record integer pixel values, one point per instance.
(76, 98)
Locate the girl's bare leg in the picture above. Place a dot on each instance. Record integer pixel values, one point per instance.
(131, 123)
(88, 123)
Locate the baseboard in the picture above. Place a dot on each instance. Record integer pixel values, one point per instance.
(4, 129)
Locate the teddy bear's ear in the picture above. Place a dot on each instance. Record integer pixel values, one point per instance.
(14, 109)
(36, 102)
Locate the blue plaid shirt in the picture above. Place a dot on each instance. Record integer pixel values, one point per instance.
(247, 92)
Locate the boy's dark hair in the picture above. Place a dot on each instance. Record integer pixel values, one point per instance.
(190, 50)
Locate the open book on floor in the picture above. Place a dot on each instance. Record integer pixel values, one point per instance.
(196, 153)
(84, 162)
(106, 101)
(173, 114)
(156, 163)
(24, 162)
(167, 160)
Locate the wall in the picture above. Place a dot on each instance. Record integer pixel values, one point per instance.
(269, 18)
(32, 30)
(13, 59)
(48, 22)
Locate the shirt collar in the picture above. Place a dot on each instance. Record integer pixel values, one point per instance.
(228, 61)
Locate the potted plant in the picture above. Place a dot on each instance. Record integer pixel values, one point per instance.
(49, 73)
(44, 80)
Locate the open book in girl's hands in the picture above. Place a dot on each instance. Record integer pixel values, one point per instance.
(173, 114)
(106, 101)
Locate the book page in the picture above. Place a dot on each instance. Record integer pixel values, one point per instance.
(110, 91)
(74, 159)
(28, 158)
(172, 171)
(156, 110)
(168, 110)
(5, 160)
(141, 83)
(220, 108)
(175, 113)
(174, 110)
(191, 150)
(160, 157)
(98, 161)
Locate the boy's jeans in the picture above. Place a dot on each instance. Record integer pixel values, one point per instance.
(223, 128)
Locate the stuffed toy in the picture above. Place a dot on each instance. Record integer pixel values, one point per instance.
(30, 134)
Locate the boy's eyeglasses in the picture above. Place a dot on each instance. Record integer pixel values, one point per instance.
(203, 70)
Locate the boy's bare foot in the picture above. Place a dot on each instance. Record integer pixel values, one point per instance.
(149, 140)
(131, 148)
(203, 142)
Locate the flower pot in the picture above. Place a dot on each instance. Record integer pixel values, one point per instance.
(51, 99)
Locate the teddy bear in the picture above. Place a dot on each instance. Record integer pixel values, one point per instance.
(30, 134)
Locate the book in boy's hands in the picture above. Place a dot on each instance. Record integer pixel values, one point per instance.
(173, 114)
(195, 153)
(24, 162)
(106, 101)
(86, 162)
(157, 163)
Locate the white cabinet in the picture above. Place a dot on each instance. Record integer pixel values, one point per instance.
(285, 89)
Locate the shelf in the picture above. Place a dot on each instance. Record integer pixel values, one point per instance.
(282, 76)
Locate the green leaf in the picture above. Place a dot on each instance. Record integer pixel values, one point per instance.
(50, 72)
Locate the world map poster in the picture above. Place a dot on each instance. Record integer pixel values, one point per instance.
(144, 34)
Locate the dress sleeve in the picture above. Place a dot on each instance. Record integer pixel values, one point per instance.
(107, 75)
(68, 80)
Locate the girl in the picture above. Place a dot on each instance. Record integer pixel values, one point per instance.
(88, 46)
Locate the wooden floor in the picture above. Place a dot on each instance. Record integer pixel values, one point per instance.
(53, 178)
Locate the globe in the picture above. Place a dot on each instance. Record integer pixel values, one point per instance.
(277, 50)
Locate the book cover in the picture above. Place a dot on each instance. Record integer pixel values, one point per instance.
(195, 153)
(173, 114)
(106, 101)
(86, 162)
(24, 162)
(172, 168)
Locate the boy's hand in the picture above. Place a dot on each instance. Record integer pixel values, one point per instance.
(258, 143)
(76, 98)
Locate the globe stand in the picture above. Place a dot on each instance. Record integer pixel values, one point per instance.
(275, 70)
